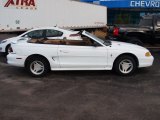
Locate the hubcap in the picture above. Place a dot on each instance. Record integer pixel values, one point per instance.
(37, 67)
(126, 66)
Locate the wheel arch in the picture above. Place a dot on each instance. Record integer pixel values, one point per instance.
(36, 55)
(7, 46)
(129, 54)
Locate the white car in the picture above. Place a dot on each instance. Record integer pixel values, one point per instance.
(47, 32)
(90, 53)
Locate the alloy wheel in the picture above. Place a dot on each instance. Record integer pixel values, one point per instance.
(37, 67)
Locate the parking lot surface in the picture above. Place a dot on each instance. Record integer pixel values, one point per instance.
(80, 95)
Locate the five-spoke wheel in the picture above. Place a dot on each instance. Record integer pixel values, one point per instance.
(37, 66)
(125, 65)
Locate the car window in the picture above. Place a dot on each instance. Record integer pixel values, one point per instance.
(145, 22)
(53, 33)
(35, 34)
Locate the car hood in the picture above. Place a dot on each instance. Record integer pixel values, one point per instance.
(126, 46)
(8, 40)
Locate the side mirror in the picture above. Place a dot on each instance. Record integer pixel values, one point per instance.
(95, 44)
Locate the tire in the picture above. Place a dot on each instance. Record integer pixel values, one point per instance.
(37, 66)
(125, 65)
(136, 41)
(7, 49)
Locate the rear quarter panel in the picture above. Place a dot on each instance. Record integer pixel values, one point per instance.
(46, 50)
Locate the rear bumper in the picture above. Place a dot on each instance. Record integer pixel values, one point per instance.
(146, 62)
(16, 60)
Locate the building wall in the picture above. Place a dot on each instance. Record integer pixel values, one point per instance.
(128, 11)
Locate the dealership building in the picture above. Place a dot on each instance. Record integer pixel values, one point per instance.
(128, 11)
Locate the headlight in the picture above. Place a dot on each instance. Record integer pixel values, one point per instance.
(148, 54)
(3, 41)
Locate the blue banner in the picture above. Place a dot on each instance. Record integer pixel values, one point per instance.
(127, 3)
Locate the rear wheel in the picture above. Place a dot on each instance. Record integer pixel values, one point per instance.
(125, 65)
(37, 66)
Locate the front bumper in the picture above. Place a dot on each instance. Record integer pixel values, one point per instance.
(146, 62)
(16, 60)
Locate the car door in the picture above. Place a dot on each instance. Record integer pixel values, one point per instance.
(78, 55)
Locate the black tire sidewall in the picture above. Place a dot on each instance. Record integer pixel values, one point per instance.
(45, 63)
(119, 60)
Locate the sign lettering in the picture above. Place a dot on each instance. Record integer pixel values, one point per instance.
(127, 3)
(145, 4)
(20, 3)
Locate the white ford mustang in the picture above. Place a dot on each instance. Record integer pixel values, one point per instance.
(39, 56)
(44, 32)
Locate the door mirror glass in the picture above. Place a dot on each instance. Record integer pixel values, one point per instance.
(96, 44)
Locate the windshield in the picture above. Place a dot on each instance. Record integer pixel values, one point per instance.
(94, 37)
(105, 42)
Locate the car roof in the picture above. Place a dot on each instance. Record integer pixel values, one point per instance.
(55, 28)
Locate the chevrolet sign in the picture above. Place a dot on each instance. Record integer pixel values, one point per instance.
(127, 3)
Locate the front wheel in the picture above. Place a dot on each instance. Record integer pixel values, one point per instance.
(37, 66)
(125, 65)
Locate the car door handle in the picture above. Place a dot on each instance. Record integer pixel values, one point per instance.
(63, 51)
